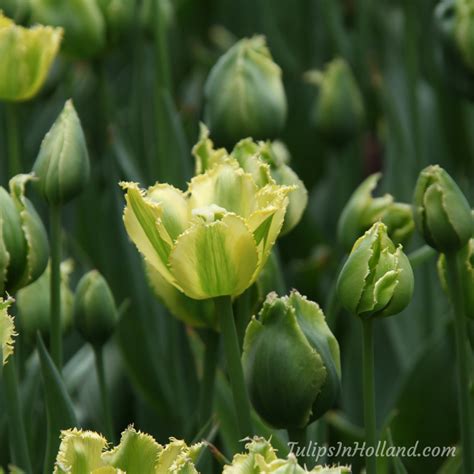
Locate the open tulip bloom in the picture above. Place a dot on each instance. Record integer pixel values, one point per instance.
(213, 239)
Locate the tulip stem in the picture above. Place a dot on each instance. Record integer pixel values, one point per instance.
(369, 393)
(225, 313)
(16, 425)
(106, 414)
(299, 441)
(457, 297)
(14, 158)
(55, 285)
(206, 396)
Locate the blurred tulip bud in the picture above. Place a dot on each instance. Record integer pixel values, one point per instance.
(24, 248)
(442, 213)
(212, 240)
(95, 313)
(62, 165)
(466, 267)
(291, 362)
(82, 20)
(452, 64)
(377, 278)
(88, 452)
(26, 57)
(7, 330)
(195, 313)
(244, 94)
(363, 210)
(118, 16)
(147, 14)
(261, 458)
(464, 30)
(339, 111)
(34, 307)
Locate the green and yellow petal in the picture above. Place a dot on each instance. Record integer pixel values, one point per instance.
(215, 258)
(140, 218)
(225, 185)
(80, 452)
(7, 330)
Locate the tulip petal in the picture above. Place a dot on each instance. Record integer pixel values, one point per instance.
(204, 153)
(175, 214)
(140, 217)
(80, 449)
(7, 330)
(225, 185)
(215, 259)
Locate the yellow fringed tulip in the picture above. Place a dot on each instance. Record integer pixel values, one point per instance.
(7, 330)
(212, 240)
(26, 55)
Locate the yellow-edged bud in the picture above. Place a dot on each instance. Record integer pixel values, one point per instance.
(24, 248)
(377, 278)
(26, 55)
(339, 111)
(95, 313)
(212, 240)
(34, 304)
(442, 213)
(262, 458)
(466, 268)
(244, 94)
(291, 362)
(62, 165)
(82, 20)
(363, 210)
(7, 330)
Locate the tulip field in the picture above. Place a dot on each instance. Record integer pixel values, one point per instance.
(236, 237)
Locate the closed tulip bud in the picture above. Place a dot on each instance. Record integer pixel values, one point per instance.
(24, 248)
(339, 112)
(291, 362)
(62, 165)
(34, 304)
(82, 20)
(95, 313)
(27, 55)
(466, 267)
(7, 330)
(377, 278)
(244, 94)
(363, 210)
(464, 30)
(442, 213)
(212, 240)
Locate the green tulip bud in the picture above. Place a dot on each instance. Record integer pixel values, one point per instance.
(62, 165)
(244, 94)
(7, 330)
(363, 210)
(34, 304)
(466, 267)
(377, 278)
(339, 111)
(442, 213)
(291, 362)
(23, 241)
(27, 55)
(261, 458)
(464, 30)
(82, 21)
(95, 313)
